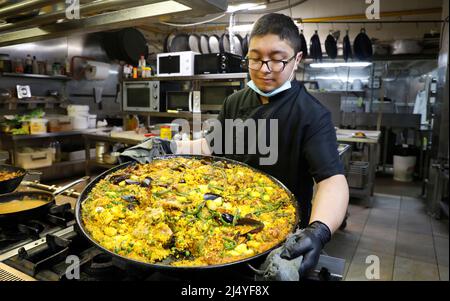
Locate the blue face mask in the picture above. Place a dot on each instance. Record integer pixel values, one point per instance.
(286, 86)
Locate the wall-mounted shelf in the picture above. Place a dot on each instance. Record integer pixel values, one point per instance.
(184, 115)
(37, 76)
(32, 103)
(222, 76)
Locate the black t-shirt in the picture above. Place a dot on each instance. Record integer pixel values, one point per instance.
(307, 146)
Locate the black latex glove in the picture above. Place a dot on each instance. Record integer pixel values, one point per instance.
(309, 244)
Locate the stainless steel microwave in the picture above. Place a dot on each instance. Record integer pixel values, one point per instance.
(180, 101)
(141, 96)
(213, 94)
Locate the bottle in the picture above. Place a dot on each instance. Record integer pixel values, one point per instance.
(48, 68)
(67, 66)
(35, 66)
(56, 151)
(141, 66)
(28, 65)
(19, 66)
(135, 72)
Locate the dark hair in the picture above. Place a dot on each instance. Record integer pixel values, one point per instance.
(280, 25)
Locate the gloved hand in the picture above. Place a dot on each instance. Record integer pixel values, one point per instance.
(309, 244)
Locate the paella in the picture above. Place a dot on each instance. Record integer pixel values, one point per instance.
(188, 212)
(8, 175)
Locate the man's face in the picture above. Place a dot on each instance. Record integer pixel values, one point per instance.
(271, 47)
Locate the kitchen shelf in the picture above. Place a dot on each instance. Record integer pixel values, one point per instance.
(62, 164)
(93, 162)
(32, 101)
(37, 76)
(221, 76)
(186, 115)
(55, 134)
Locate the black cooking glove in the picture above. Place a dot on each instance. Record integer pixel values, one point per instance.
(309, 243)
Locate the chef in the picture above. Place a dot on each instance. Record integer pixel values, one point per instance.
(305, 136)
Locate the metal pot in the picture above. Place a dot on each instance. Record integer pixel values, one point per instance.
(27, 214)
(4, 94)
(406, 47)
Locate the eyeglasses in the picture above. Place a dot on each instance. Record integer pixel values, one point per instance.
(272, 65)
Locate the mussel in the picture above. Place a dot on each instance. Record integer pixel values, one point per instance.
(243, 221)
(211, 196)
(132, 182)
(131, 199)
(147, 182)
(116, 179)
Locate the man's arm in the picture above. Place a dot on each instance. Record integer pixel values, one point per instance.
(331, 201)
(195, 147)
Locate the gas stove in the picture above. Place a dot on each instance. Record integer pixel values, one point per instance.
(50, 248)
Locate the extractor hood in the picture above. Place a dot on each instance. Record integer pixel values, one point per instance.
(35, 20)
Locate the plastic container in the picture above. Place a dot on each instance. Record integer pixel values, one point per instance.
(79, 122)
(76, 110)
(405, 158)
(92, 121)
(34, 158)
(38, 126)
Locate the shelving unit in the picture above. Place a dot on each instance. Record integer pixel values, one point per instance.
(37, 76)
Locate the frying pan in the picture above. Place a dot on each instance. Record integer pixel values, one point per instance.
(331, 46)
(245, 43)
(347, 47)
(316, 47)
(39, 195)
(127, 45)
(224, 43)
(214, 44)
(161, 266)
(237, 40)
(304, 45)
(11, 184)
(180, 43)
(363, 46)
(204, 45)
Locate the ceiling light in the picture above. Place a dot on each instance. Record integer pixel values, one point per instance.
(242, 6)
(336, 65)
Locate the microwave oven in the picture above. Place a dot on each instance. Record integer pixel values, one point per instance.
(180, 101)
(213, 94)
(211, 63)
(142, 96)
(176, 63)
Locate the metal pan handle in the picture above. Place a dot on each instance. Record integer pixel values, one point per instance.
(64, 188)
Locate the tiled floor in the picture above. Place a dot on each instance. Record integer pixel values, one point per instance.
(407, 243)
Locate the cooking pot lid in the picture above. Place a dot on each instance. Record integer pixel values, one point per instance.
(238, 45)
(225, 45)
(204, 45)
(168, 42)
(214, 44)
(194, 43)
(180, 43)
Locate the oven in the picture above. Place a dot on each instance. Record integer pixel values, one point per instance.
(141, 96)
